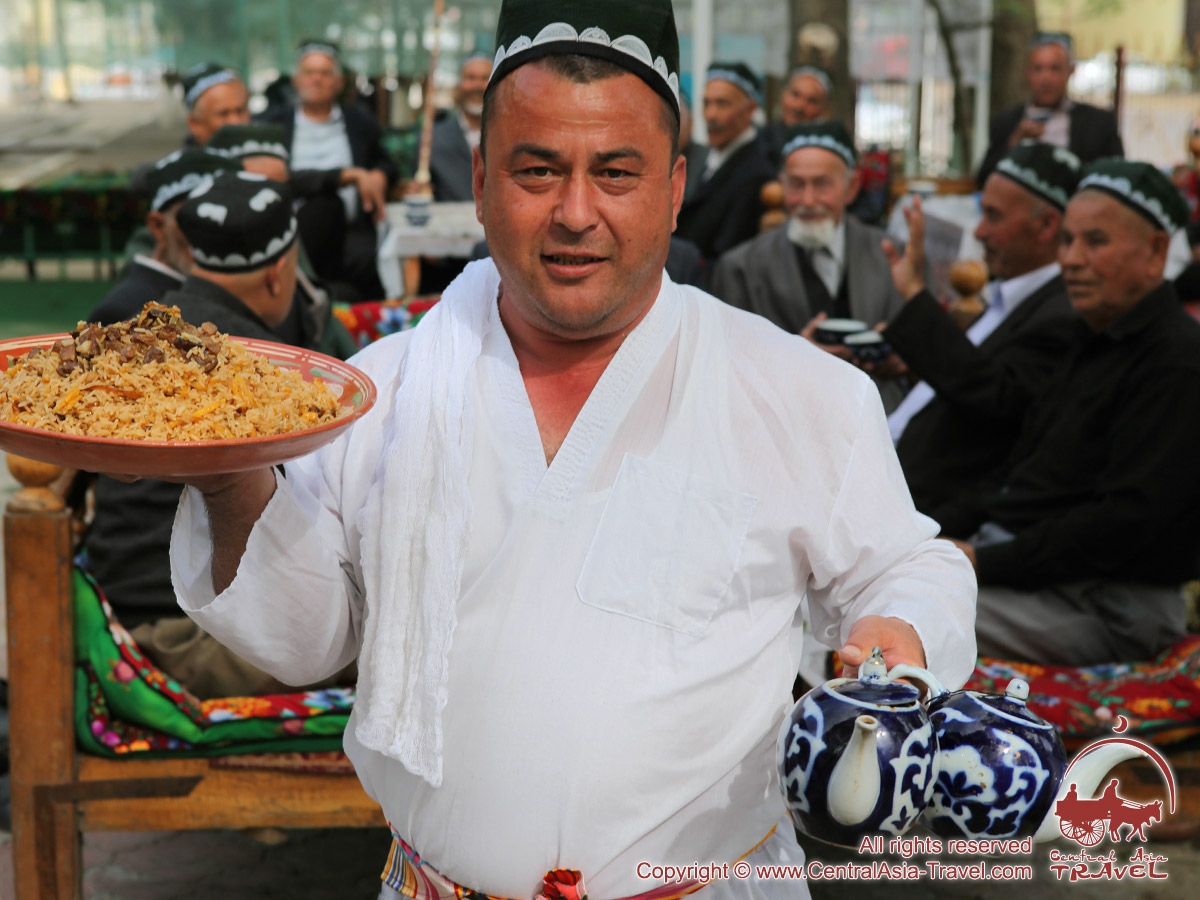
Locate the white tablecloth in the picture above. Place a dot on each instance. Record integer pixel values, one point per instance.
(452, 230)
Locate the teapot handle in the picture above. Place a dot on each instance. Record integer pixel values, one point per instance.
(925, 677)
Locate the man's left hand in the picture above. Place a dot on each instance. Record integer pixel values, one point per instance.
(896, 638)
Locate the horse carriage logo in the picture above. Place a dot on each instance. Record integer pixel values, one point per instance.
(1086, 821)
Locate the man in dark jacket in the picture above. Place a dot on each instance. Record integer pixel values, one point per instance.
(1080, 549)
(340, 172)
(960, 422)
(724, 209)
(1051, 116)
(148, 276)
(242, 234)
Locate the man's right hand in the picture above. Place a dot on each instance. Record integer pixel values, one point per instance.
(908, 270)
(1027, 130)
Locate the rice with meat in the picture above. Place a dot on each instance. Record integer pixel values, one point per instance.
(155, 377)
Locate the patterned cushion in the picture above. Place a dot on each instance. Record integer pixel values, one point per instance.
(1159, 698)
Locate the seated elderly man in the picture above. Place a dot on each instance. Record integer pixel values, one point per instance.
(821, 263)
(340, 171)
(589, 500)
(150, 275)
(724, 208)
(960, 422)
(1081, 548)
(215, 96)
(805, 101)
(229, 220)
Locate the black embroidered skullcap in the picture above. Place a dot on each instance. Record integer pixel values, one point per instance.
(818, 75)
(175, 176)
(1141, 187)
(254, 139)
(637, 35)
(202, 77)
(739, 75)
(1050, 172)
(831, 136)
(238, 223)
(320, 45)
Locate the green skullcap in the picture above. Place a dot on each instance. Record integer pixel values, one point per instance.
(1051, 173)
(638, 35)
(831, 136)
(201, 78)
(1141, 187)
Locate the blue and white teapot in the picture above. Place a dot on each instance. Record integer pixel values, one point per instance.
(1000, 767)
(857, 757)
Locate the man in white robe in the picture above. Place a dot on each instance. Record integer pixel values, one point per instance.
(570, 542)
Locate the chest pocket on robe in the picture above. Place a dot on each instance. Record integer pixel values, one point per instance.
(666, 547)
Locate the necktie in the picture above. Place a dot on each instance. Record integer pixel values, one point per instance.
(819, 299)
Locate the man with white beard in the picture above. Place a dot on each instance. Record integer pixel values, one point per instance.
(456, 135)
(821, 263)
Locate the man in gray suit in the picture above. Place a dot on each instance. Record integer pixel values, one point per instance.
(457, 134)
(821, 263)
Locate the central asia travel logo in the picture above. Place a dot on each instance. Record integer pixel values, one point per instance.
(1087, 822)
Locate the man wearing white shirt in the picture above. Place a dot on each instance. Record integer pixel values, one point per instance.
(959, 423)
(570, 542)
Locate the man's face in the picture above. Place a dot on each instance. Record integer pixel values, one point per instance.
(1110, 256)
(817, 185)
(1047, 72)
(472, 82)
(1015, 228)
(170, 244)
(578, 199)
(318, 80)
(727, 112)
(803, 101)
(224, 104)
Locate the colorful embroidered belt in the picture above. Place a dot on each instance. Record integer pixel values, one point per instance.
(414, 878)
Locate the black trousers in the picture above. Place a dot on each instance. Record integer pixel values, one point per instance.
(341, 252)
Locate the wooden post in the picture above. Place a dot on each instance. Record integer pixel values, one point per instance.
(426, 147)
(38, 550)
(1119, 81)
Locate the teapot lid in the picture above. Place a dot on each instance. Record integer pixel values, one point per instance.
(873, 687)
(1010, 705)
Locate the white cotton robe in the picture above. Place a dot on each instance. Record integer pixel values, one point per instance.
(628, 626)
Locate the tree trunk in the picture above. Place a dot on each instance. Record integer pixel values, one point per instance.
(1015, 23)
(814, 25)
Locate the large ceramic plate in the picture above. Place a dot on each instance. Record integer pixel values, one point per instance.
(160, 459)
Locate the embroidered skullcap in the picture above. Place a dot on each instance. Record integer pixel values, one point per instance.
(1141, 187)
(831, 136)
(238, 222)
(1054, 39)
(318, 45)
(1051, 173)
(203, 77)
(818, 75)
(175, 176)
(254, 139)
(637, 35)
(739, 75)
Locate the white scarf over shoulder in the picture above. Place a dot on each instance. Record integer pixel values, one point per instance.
(415, 528)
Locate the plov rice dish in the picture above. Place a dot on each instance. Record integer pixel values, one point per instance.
(155, 377)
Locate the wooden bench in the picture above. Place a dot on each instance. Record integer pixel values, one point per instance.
(58, 792)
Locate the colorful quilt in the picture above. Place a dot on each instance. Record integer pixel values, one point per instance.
(368, 322)
(124, 704)
(1159, 698)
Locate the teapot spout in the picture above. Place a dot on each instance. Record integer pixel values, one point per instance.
(1083, 779)
(854, 783)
